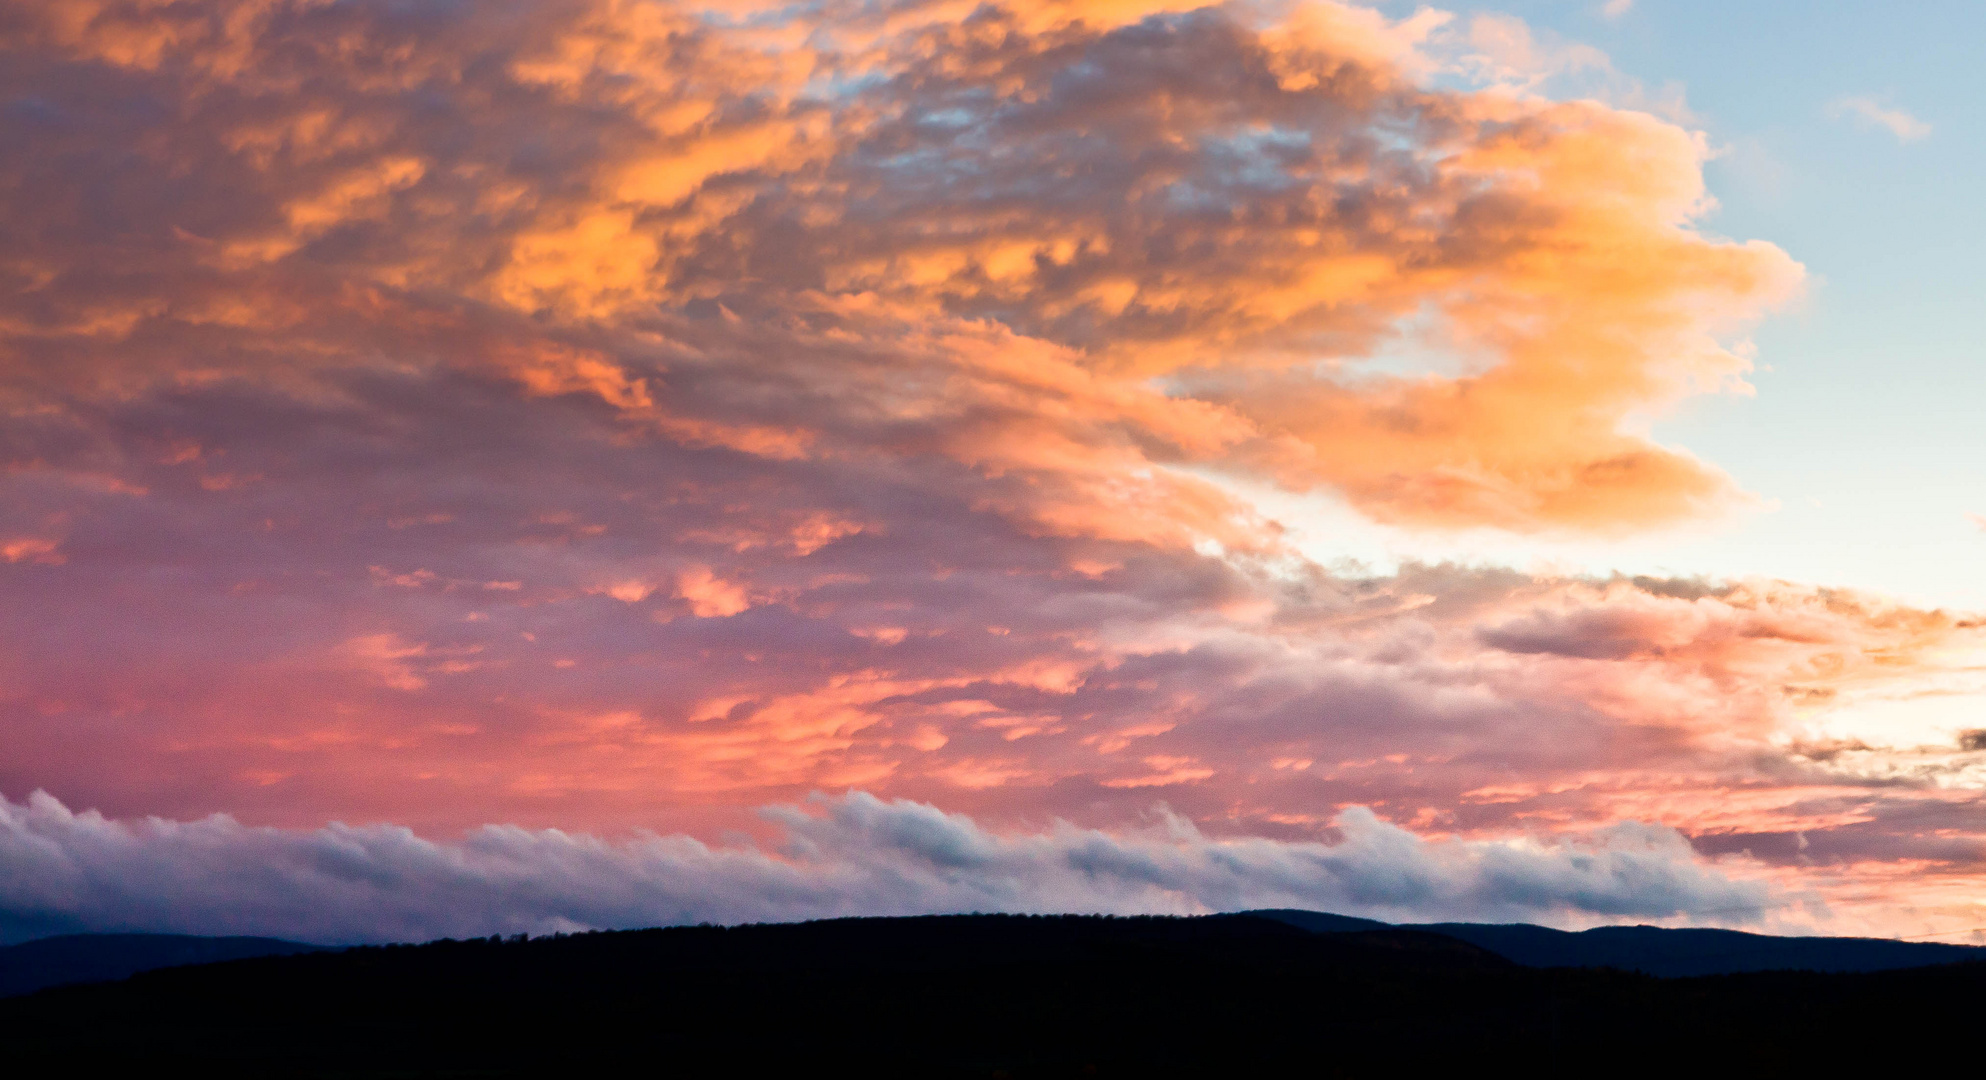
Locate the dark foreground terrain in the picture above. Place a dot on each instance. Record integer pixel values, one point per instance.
(984, 996)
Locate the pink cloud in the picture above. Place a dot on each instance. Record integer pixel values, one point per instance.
(589, 417)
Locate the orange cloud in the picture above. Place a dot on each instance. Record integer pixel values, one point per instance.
(1212, 253)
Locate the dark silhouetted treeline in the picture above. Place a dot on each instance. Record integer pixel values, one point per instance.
(973, 996)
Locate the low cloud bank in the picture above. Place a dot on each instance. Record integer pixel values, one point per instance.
(62, 871)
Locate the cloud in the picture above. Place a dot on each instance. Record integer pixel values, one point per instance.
(1869, 112)
(850, 855)
(1226, 235)
(613, 416)
(1614, 9)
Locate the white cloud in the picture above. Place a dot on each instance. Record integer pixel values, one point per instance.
(1504, 53)
(1614, 9)
(1869, 112)
(851, 855)
(1502, 50)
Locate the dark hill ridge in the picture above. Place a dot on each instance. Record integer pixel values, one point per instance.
(1663, 951)
(81, 958)
(968, 996)
(1687, 952)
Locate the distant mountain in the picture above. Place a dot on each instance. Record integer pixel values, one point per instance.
(1656, 950)
(83, 958)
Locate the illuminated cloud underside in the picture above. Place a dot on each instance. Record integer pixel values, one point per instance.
(609, 416)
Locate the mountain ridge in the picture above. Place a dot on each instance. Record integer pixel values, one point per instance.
(65, 959)
(1666, 952)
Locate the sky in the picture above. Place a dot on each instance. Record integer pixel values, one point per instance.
(1859, 442)
(530, 466)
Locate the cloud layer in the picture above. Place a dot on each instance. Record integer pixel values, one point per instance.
(855, 855)
(609, 415)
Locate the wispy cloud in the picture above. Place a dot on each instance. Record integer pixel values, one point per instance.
(1869, 112)
(1614, 9)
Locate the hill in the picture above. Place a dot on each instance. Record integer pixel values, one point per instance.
(1669, 952)
(966, 996)
(82, 958)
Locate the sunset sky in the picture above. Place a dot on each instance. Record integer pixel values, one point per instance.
(542, 464)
